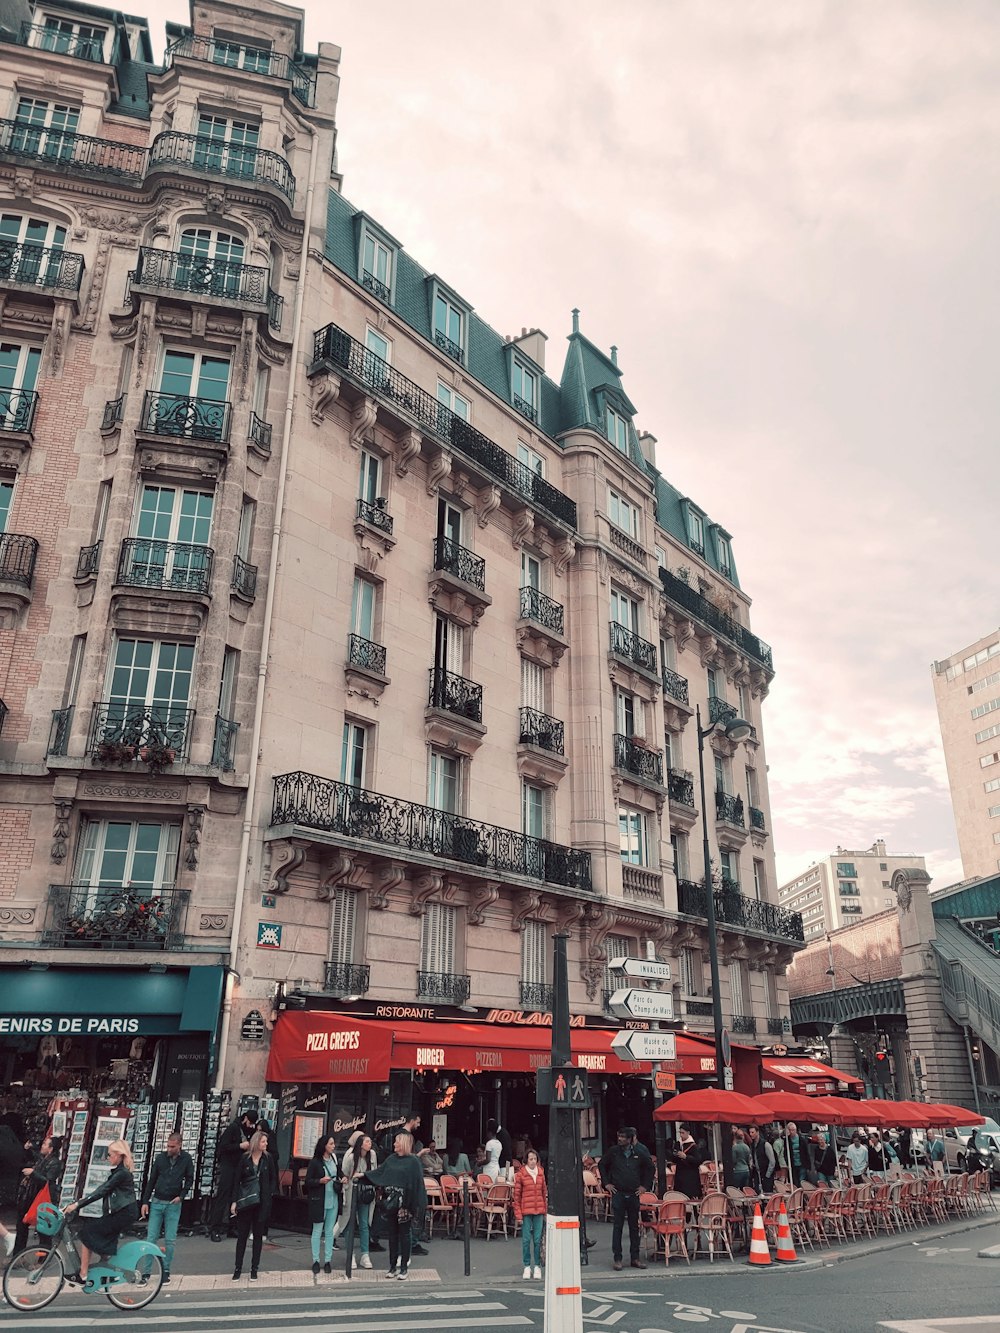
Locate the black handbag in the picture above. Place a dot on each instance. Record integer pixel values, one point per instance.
(249, 1193)
(366, 1193)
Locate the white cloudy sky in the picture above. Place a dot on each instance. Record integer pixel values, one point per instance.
(785, 214)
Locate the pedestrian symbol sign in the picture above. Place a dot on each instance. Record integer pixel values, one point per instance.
(564, 1086)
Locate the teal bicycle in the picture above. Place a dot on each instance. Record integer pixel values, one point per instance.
(34, 1278)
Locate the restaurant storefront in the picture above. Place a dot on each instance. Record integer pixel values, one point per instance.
(809, 1077)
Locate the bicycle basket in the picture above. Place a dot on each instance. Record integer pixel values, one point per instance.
(49, 1220)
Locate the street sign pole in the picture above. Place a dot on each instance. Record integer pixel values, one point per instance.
(659, 1126)
(563, 1298)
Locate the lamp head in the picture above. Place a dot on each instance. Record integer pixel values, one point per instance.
(737, 729)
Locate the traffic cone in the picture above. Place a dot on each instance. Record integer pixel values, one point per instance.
(785, 1250)
(759, 1253)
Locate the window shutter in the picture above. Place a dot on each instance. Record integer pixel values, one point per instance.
(342, 926)
(534, 951)
(736, 987)
(437, 942)
(617, 946)
(532, 685)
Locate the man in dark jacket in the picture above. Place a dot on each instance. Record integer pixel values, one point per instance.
(626, 1169)
(232, 1145)
(171, 1179)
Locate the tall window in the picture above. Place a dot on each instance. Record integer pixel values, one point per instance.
(753, 797)
(449, 521)
(617, 946)
(447, 397)
(449, 645)
(534, 953)
(18, 374)
(533, 802)
(227, 146)
(377, 345)
(696, 531)
(253, 59)
(44, 129)
(19, 229)
(715, 683)
(75, 665)
(195, 375)
(531, 571)
(437, 938)
(363, 601)
(759, 879)
(70, 37)
(737, 987)
(692, 972)
(534, 686)
(730, 866)
(210, 261)
(343, 924)
(722, 782)
(679, 844)
(172, 530)
(369, 477)
(352, 754)
(6, 501)
(771, 991)
(530, 459)
(227, 685)
(524, 383)
(151, 674)
(448, 326)
(623, 514)
(138, 855)
(725, 554)
(443, 782)
(616, 427)
(628, 713)
(668, 654)
(376, 262)
(633, 837)
(624, 610)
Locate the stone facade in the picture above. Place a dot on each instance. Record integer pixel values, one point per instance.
(845, 886)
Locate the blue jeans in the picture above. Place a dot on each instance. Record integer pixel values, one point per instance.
(163, 1219)
(324, 1228)
(363, 1225)
(531, 1234)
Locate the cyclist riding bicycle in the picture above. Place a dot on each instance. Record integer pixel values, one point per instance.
(100, 1235)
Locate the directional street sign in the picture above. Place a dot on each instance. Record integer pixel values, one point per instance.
(628, 1003)
(645, 1046)
(644, 968)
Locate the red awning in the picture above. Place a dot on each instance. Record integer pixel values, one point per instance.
(810, 1077)
(320, 1047)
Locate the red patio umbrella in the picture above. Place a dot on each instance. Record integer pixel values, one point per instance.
(875, 1113)
(828, 1111)
(942, 1113)
(908, 1115)
(714, 1106)
(787, 1105)
(848, 1111)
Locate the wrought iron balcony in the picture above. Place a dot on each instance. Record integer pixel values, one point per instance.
(120, 731)
(698, 1008)
(448, 346)
(674, 685)
(744, 1023)
(217, 157)
(626, 643)
(361, 652)
(776, 1027)
(50, 268)
(72, 152)
(541, 609)
(18, 556)
(337, 349)
(224, 743)
(185, 417)
(536, 996)
(59, 729)
(82, 46)
(729, 808)
(635, 757)
(17, 410)
(726, 572)
(757, 819)
(697, 547)
(378, 516)
(114, 410)
(260, 433)
(379, 289)
(346, 978)
(115, 916)
(455, 694)
(88, 561)
(246, 285)
(732, 908)
(524, 407)
(457, 560)
(700, 608)
(249, 59)
(309, 801)
(680, 787)
(541, 730)
(244, 580)
(720, 711)
(173, 566)
(447, 986)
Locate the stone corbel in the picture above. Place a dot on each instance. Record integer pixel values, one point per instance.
(564, 553)
(57, 341)
(407, 449)
(482, 894)
(192, 842)
(388, 877)
(287, 854)
(60, 831)
(523, 528)
(601, 921)
(487, 502)
(686, 934)
(526, 905)
(569, 915)
(592, 975)
(363, 415)
(336, 868)
(438, 470)
(324, 389)
(708, 650)
(425, 887)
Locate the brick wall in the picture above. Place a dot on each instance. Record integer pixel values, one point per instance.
(18, 848)
(866, 950)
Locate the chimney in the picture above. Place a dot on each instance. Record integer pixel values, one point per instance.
(532, 344)
(647, 443)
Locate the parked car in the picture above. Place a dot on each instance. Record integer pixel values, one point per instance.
(987, 1140)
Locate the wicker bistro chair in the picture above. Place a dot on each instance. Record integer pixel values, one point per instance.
(771, 1214)
(595, 1197)
(649, 1211)
(984, 1190)
(832, 1213)
(670, 1225)
(794, 1211)
(438, 1206)
(712, 1221)
(880, 1208)
(492, 1210)
(813, 1220)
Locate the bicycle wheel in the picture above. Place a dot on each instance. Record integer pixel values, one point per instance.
(141, 1284)
(33, 1279)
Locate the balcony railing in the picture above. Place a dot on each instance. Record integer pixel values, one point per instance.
(224, 743)
(217, 157)
(361, 652)
(776, 1027)
(260, 433)
(455, 694)
(372, 284)
(346, 978)
(628, 545)
(376, 514)
(120, 731)
(88, 561)
(457, 560)
(720, 711)
(17, 409)
(732, 908)
(338, 349)
(541, 609)
(18, 556)
(637, 758)
(118, 916)
(642, 884)
(674, 685)
(185, 417)
(59, 729)
(524, 407)
(249, 59)
(50, 268)
(334, 807)
(744, 1023)
(698, 1008)
(626, 643)
(449, 346)
(536, 996)
(729, 808)
(757, 819)
(200, 275)
(72, 152)
(244, 580)
(448, 986)
(171, 566)
(80, 45)
(541, 730)
(680, 786)
(700, 608)
(114, 410)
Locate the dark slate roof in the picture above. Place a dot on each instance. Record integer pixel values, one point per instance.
(133, 89)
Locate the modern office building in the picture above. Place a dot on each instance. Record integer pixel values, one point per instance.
(841, 888)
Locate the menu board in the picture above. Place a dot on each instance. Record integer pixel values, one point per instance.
(308, 1128)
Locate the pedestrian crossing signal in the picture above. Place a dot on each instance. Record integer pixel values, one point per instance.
(564, 1086)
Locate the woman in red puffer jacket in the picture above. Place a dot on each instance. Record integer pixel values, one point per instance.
(531, 1200)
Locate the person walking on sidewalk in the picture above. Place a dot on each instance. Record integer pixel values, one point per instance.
(531, 1203)
(626, 1169)
(358, 1193)
(763, 1162)
(170, 1181)
(321, 1185)
(47, 1171)
(403, 1199)
(232, 1145)
(251, 1201)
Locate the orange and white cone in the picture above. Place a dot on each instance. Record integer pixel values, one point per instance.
(785, 1249)
(759, 1253)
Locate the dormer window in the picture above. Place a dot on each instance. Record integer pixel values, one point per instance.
(234, 54)
(70, 38)
(524, 390)
(616, 428)
(376, 267)
(725, 554)
(696, 531)
(448, 326)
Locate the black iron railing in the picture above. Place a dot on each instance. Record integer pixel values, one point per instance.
(543, 610)
(260, 433)
(59, 729)
(361, 652)
(698, 1008)
(49, 267)
(185, 417)
(174, 566)
(732, 908)
(376, 514)
(729, 808)
(346, 978)
(536, 996)
(114, 410)
(115, 916)
(224, 743)
(726, 572)
(372, 284)
(449, 986)
(121, 731)
(455, 694)
(458, 560)
(777, 1026)
(200, 275)
(88, 561)
(720, 711)
(541, 730)
(17, 409)
(249, 59)
(524, 407)
(449, 346)
(757, 819)
(217, 157)
(18, 556)
(680, 787)
(637, 758)
(678, 592)
(626, 643)
(334, 347)
(244, 580)
(744, 1023)
(674, 685)
(80, 45)
(335, 807)
(72, 152)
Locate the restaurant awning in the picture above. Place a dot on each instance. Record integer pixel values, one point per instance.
(321, 1047)
(809, 1077)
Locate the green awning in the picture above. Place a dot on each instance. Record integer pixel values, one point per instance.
(109, 1001)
